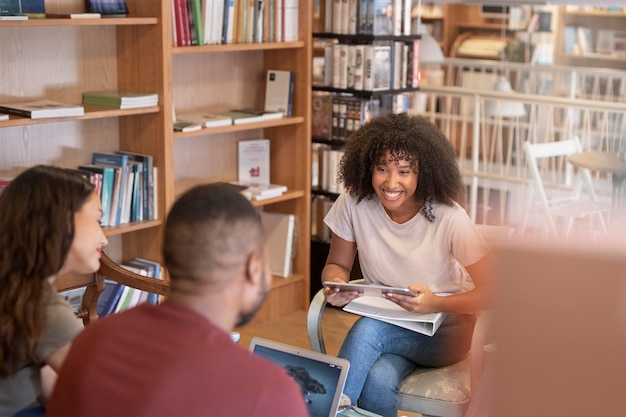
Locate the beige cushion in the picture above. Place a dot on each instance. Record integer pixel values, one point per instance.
(448, 384)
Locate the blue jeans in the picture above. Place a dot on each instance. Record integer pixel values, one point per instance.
(382, 354)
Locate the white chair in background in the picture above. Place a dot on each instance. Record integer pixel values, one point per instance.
(568, 202)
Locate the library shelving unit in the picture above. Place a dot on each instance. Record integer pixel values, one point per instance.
(612, 53)
(60, 59)
(319, 247)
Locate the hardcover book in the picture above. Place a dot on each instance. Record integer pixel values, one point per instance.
(40, 109)
(321, 117)
(280, 231)
(205, 119)
(108, 8)
(120, 100)
(239, 118)
(108, 299)
(253, 161)
(10, 7)
(34, 9)
(279, 91)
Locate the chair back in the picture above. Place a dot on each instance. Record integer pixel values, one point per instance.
(548, 161)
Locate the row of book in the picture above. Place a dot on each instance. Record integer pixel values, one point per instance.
(320, 205)
(382, 65)
(36, 9)
(206, 22)
(127, 185)
(325, 161)
(335, 116)
(378, 17)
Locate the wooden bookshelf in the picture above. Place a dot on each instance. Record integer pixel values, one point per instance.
(594, 21)
(60, 59)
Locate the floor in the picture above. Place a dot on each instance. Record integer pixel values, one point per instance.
(291, 329)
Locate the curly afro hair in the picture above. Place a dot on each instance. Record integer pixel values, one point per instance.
(412, 138)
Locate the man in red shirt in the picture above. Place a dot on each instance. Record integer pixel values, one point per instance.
(177, 358)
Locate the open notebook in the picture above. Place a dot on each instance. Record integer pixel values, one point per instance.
(321, 377)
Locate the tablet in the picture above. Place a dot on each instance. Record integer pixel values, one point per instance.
(369, 289)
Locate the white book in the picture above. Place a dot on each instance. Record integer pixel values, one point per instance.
(336, 17)
(279, 87)
(205, 119)
(368, 67)
(4, 116)
(352, 17)
(280, 230)
(207, 21)
(229, 21)
(218, 21)
(388, 311)
(40, 109)
(253, 161)
(256, 191)
(359, 53)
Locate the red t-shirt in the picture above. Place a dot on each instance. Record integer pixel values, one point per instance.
(167, 360)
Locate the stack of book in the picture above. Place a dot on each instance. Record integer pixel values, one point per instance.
(40, 109)
(120, 100)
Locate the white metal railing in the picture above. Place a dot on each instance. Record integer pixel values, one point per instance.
(490, 147)
(554, 80)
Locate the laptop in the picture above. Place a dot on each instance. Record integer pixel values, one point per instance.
(321, 376)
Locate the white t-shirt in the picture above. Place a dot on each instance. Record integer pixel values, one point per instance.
(415, 252)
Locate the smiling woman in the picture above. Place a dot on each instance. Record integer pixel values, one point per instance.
(401, 210)
(50, 222)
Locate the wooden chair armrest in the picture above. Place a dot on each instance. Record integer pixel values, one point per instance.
(94, 285)
(114, 272)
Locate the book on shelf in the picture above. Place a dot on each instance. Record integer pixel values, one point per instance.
(280, 235)
(73, 15)
(257, 191)
(108, 299)
(186, 126)
(388, 311)
(266, 115)
(321, 114)
(4, 116)
(108, 8)
(279, 90)
(253, 161)
(239, 118)
(120, 195)
(9, 8)
(205, 119)
(106, 188)
(152, 269)
(13, 17)
(74, 298)
(381, 67)
(41, 109)
(148, 180)
(34, 9)
(120, 99)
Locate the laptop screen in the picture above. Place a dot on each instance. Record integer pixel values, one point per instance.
(320, 376)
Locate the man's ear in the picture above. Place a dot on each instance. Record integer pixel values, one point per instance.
(254, 268)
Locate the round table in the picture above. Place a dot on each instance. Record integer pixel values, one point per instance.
(604, 162)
